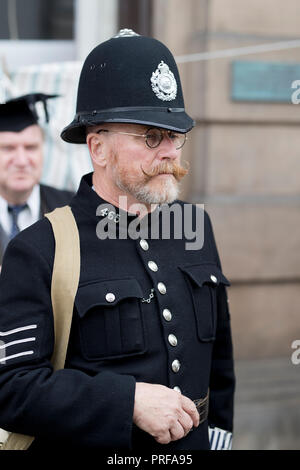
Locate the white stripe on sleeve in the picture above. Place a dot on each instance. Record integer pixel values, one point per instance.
(18, 341)
(7, 358)
(17, 330)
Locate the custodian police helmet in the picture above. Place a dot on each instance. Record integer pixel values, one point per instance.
(129, 79)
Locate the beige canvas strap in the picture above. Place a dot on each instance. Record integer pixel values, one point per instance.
(65, 278)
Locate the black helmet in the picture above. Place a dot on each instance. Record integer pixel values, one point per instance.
(129, 78)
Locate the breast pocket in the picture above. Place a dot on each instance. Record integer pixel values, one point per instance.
(110, 319)
(203, 281)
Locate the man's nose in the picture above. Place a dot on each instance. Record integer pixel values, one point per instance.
(20, 158)
(167, 149)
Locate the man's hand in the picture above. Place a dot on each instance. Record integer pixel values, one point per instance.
(164, 413)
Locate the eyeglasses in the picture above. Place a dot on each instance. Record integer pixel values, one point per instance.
(154, 137)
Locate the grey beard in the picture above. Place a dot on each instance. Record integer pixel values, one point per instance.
(146, 195)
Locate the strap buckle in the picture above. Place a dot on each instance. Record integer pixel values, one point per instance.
(202, 405)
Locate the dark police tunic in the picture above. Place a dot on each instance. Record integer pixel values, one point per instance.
(132, 295)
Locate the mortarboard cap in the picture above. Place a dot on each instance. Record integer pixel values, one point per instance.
(19, 113)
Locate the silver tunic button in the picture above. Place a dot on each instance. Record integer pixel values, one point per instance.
(213, 278)
(110, 297)
(167, 314)
(175, 365)
(172, 340)
(144, 245)
(162, 288)
(177, 389)
(153, 266)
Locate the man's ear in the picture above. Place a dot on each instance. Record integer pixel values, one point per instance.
(96, 145)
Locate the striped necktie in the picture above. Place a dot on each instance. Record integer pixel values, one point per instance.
(14, 213)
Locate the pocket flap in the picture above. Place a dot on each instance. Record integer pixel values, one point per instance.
(106, 293)
(205, 274)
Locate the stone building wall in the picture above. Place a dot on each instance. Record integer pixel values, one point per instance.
(245, 158)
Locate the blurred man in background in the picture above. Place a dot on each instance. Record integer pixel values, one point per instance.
(23, 200)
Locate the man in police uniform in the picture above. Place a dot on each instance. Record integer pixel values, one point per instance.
(149, 363)
(23, 200)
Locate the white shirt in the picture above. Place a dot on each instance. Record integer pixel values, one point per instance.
(28, 216)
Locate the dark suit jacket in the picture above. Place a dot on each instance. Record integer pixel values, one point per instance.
(50, 199)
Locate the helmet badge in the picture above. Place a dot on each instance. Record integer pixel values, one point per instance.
(163, 83)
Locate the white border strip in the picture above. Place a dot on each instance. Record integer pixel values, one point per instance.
(220, 439)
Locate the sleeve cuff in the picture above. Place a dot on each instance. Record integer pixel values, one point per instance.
(219, 439)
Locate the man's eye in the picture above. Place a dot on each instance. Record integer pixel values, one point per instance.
(173, 136)
(152, 137)
(31, 148)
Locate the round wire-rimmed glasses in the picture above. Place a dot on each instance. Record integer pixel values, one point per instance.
(154, 136)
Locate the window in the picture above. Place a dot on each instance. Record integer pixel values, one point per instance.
(136, 15)
(37, 19)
